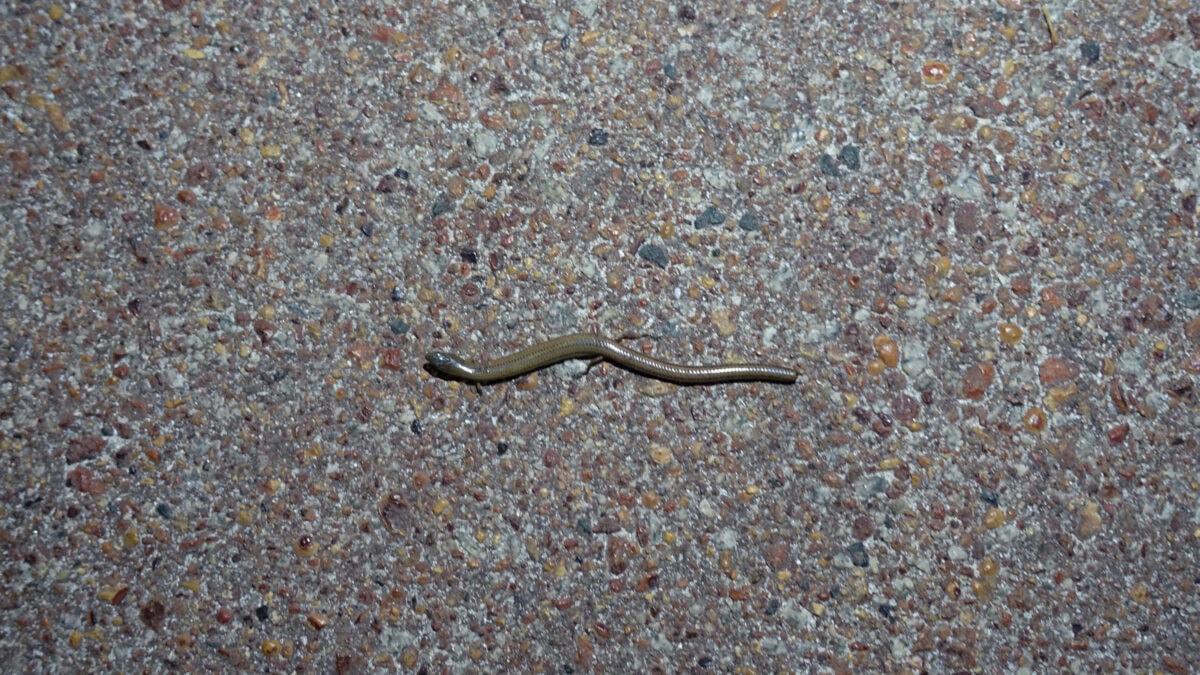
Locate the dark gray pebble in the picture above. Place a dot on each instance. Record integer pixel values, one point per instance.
(711, 216)
(654, 254)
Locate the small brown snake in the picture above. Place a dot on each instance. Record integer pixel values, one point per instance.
(588, 345)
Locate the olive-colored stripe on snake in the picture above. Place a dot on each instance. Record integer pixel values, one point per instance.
(588, 345)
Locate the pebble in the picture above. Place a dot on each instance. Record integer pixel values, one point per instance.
(1056, 371)
(653, 253)
(710, 216)
(1089, 51)
(858, 554)
(749, 222)
(828, 166)
(849, 157)
(976, 380)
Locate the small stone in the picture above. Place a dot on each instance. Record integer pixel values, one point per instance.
(966, 219)
(779, 556)
(828, 166)
(993, 518)
(1034, 420)
(887, 350)
(905, 408)
(1117, 434)
(485, 142)
(1089, 520)
(749, 222)
(862, 528)
(1010, 333)
(597, 137)
(441, 205)
(153, 614)
(1089, 51)
(977, 379)
(858, 554)
(985, 107)
(165, 216)
(849, 157)
(654, 254)
(660, 455)
(1045, 106)
(1054, 371)
(710, 216)
(934, 72)
(58, 118)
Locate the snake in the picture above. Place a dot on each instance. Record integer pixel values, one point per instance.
(590, 345)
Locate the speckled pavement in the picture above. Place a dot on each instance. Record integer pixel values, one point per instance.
(231, 231)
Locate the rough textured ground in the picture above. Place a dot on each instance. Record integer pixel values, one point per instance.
(231, 231)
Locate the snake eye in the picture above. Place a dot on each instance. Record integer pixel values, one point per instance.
(441, 360)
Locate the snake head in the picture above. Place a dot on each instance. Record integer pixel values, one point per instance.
(449, 365)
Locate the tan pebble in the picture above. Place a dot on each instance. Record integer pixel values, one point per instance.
(935, 72)
(519, 110)
(1045, 106)
(58, 118)
(1010, 333)
(660, 455)
(1058, 396)
(1035, 420)
(941, 266)
(887, 350)
(993, 518)
(1089, 519)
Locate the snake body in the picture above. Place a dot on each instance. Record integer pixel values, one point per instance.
(588, 345)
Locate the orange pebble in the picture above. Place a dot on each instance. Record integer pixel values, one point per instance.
(1010, 333)
(887, 350)
(1035, 420)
